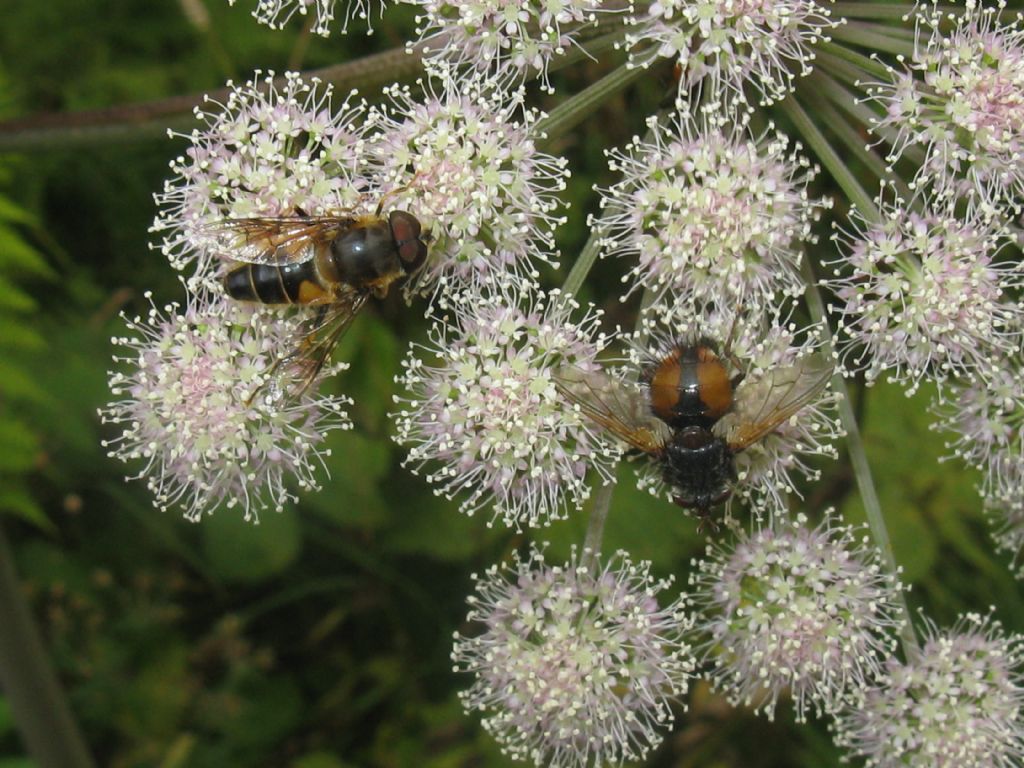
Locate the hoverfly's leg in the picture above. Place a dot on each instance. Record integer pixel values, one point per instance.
(323, 347)
(727, 348)
(300, 212)
(396, 191)
(315, 323)
(274, 372)
(271, 375)
(706, 524)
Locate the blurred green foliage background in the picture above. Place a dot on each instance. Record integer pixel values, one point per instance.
(319, 638)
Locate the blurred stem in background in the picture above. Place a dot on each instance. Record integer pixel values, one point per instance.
(37, 701)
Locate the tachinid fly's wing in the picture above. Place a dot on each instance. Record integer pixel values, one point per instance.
(276, 240)
(618, 407)
(759, 408)
(294, 372)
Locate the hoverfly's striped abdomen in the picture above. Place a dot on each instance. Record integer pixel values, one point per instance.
(273, 284)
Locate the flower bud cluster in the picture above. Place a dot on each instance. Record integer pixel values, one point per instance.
(576, 665)
(725, 45)
(191, 411)
(484, 417)
(709, 211)
(961, 101)
(926, 296)
(958, 703)
(791, 608)
(277, 13)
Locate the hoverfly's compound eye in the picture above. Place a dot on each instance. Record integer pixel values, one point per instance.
(406, 229)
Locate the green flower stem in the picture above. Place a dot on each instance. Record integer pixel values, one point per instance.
(603, 497)
(580, 106)
(587, 48)
(861, 468)
(581, 267)
(37, 702)
(874, 36)
(871, 10)
(598, 515)
(831, 160)
(851, 138)
(817, 92)
(847, 101)
(853, 66)
(150, 120)
(573, 282)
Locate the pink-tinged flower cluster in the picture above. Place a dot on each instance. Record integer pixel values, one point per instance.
(924, 295)
(983, 418)
(777, 360)
(271, 148)
(482, 414)
(788, 608)
(465, 162)
(277, 13)
(191, 410)
(709, 210)
(957, 704)
(576, 665)
(508, 39)
(725, 45)
(1004, 502)
(962, 101)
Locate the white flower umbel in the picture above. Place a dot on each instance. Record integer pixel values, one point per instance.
(763, 345)
(791, 608)
(268, 150)
(729, 44)
(709, 210)
(983, 418)
(962, 101)
(508, 39)
(1004, 502)
(956, 705)
(576, 665)
(924, 295)
(463, 160)
(482, 415)
(276, 13)
(186, 412)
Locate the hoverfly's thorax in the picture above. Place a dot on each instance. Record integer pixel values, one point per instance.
(365, 257)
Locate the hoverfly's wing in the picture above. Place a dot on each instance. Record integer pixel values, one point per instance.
(614, 405)
(760, 409)
(276, 240)
(293, 373)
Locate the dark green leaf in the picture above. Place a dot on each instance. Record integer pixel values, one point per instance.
(242, 552)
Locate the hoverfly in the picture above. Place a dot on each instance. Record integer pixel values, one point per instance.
(330, 263)
(692, 417)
